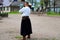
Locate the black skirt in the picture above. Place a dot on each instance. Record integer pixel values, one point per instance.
(26, 28)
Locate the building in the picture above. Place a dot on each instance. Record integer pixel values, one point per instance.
(10, 5)
(54, 5)
(14, 5)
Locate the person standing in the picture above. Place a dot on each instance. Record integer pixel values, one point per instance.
(26, 28)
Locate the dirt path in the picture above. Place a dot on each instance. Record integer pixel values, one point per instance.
(43, 27)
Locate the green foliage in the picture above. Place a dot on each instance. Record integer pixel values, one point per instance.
(42, 2)
(51, 13)
(4, 14)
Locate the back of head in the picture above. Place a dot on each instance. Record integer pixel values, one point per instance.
(27, 4)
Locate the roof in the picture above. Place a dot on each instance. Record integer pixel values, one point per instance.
(15, 3)
(1, 2)
(7, 3)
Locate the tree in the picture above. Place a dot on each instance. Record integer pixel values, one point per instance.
(42, 5)
(46, 3)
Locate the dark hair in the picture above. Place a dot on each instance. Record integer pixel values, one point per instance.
(28, 4)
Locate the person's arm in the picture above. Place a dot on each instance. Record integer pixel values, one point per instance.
(21, 10)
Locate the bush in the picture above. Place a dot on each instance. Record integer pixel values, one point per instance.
(4, 14)
(51, 13)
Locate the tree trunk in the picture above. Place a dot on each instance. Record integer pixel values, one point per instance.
(54, 5)
(49, 6)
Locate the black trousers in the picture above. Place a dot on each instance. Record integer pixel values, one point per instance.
(26, 28)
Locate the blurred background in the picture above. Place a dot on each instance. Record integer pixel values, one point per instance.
(36, 5)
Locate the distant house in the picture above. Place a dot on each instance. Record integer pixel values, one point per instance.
(57, 5)
(14, 5)
(10, 5)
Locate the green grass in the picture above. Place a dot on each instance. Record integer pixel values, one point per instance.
(18, 37)
(14, 12)
(53, 13)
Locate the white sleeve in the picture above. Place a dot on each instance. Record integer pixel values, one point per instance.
(21, 10)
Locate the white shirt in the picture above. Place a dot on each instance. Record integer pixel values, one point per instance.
(25, 11)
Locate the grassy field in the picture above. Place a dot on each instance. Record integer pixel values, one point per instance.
(53, 13)
(14, 12)
(48, 13)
